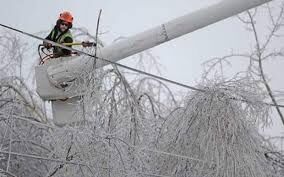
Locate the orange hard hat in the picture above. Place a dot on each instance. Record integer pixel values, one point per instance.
(66, 16)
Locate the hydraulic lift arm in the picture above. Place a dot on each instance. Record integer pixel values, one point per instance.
(50, 76)
(67, 70)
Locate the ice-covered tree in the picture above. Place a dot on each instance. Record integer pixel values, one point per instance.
(136, 126)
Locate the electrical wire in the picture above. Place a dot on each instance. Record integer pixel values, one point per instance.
(102, 59)
(131, 146)
(121, 65)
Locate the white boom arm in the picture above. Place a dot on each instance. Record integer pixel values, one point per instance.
(50, 76)
(66, 70)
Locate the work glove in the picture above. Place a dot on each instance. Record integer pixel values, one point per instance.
(47, 45)
(88, 44)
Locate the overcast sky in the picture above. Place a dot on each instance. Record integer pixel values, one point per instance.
(181, 58)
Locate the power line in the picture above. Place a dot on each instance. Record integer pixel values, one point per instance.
(76, 163)
(131, 146)
(43, 158)
(103, 59)
(121, 65)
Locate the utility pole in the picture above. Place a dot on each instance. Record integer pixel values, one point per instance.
(50, 76)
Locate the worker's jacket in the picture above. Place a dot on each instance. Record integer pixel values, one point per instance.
(65, 37)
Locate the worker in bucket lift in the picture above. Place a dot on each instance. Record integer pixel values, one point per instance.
(61, 34)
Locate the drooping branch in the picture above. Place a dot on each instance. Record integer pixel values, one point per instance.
(262, 74)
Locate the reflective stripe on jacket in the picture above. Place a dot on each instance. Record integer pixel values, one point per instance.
(61, 38)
